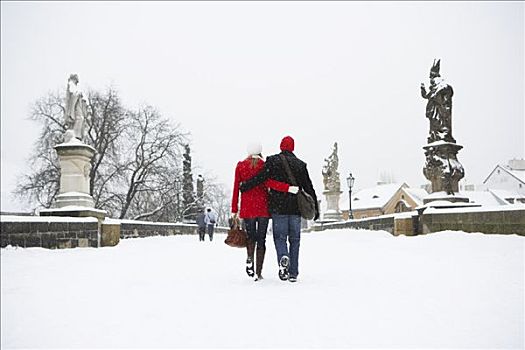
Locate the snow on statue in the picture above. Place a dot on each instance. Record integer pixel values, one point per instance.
(330, 173)
(439, 106)
(442, 166)
(76, 111)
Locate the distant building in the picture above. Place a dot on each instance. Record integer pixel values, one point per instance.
(384, 199)
(508, 182)
(465, 185)
(485, 198)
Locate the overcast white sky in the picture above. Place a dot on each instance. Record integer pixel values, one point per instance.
(321, 72)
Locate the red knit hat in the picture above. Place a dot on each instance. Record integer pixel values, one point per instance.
(287, 144)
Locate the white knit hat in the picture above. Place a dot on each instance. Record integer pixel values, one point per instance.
(254, 148)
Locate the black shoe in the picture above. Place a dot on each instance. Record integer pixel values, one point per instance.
(249, 267)
(283, 268)
(292, 279)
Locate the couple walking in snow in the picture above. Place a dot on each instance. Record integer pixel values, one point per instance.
(266, 192)
(206, 222)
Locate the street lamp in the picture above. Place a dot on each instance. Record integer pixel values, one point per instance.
(350, 182)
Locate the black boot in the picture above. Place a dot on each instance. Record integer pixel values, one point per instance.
(259, 263)
(249, 260)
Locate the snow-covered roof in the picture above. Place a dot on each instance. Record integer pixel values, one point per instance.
(378, 196)
(374, 197)
(518, 174)
(417, 194)
(485, 198)
(504, 194)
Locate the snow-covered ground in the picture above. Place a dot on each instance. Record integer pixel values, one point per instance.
(355, 289)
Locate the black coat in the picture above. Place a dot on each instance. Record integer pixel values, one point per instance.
(283, 203)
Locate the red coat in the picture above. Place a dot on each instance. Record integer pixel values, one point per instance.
(254, 202)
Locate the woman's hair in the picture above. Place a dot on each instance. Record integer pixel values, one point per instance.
(255, 160)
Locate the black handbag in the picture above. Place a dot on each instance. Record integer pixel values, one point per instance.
(305, 202)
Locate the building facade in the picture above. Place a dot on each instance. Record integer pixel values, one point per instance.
(508, 181)
(384, 199)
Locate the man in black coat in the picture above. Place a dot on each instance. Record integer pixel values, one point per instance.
(286, 218)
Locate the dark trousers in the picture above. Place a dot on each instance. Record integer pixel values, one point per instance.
(202, 232)
(210, 231)
(256, 230)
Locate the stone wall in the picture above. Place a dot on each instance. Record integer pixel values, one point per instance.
(385, 223)
(135, 229)
(510, 221)
(49, 232)
(366, 213)
(68, 232)
(495, 221)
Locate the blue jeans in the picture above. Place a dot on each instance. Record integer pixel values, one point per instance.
(287, 227)
(256, 230)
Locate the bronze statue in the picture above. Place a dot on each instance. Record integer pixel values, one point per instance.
(439, 106)
(442, 167)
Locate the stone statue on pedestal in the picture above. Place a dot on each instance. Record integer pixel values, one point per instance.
(332, 186)
(330, 173)
(74, 198)
(442, 167)
(439, 106)
(76, 114)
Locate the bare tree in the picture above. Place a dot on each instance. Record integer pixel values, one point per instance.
(138, 162)
(160, 203)
(42, 184)
(108, 123)
(154, 145)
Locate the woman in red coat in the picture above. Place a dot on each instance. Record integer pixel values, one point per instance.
(254, 207)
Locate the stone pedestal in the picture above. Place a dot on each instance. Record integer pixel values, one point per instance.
(75, 165)
(74, 198)
(110, 233)
(443, 196)
(332, 212)
(444, 171)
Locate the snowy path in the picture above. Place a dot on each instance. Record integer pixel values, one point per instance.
(356, 289)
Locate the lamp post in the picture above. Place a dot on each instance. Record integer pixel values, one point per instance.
(178, 186)
(350, 182)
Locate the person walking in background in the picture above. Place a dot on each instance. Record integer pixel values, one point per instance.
(211, 220)
(254, 207)
(201, 225)
(286, 218)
